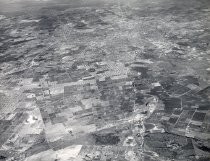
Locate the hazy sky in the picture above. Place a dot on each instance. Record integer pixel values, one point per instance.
(16, 5)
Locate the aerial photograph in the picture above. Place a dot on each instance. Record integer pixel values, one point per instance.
(104, 80)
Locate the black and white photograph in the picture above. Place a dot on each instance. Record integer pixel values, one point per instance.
(104, 80)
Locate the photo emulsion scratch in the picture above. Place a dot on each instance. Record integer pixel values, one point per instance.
(104, 80)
